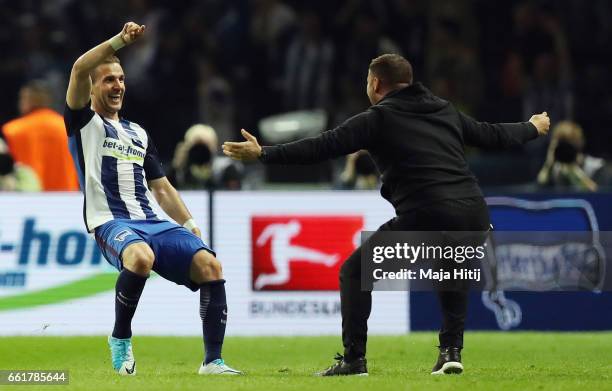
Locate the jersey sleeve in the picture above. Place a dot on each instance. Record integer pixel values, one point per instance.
(76, 119)
(152, 165)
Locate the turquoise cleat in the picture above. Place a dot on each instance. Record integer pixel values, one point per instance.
(122, 356)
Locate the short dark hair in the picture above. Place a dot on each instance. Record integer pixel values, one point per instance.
(112, 59)
(392, 69)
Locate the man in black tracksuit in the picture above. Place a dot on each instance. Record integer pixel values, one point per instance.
(417, 141)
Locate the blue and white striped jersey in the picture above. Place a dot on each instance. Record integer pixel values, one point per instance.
(114, 159)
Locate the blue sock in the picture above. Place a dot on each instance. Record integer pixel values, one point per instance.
(127, 293)
(213, 311)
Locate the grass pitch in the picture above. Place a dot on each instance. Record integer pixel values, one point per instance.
(493, 361)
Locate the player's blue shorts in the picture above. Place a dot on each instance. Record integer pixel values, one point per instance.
(174, 246)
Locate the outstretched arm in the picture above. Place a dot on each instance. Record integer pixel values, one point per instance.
(79, 87)
(354, 134)
(501, 136)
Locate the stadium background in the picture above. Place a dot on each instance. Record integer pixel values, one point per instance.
(232, 64)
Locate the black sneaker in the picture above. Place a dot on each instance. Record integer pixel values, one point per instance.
(449, 362)
(357, 367)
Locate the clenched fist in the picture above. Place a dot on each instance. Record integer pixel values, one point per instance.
(131, 32)
(541, 122)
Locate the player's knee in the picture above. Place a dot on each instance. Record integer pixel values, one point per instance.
(205, 267)
(212, 269)
(139, 259)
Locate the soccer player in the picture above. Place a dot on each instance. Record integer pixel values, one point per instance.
(117, 164)
(417, 141)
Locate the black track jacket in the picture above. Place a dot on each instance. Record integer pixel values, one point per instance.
(417, 142)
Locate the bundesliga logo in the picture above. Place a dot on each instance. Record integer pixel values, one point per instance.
(301, 253)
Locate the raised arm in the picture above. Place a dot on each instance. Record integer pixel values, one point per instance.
(503, 135)
(79, 87)
(354, 134)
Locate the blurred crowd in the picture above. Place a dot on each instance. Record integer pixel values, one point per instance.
(208, 68)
